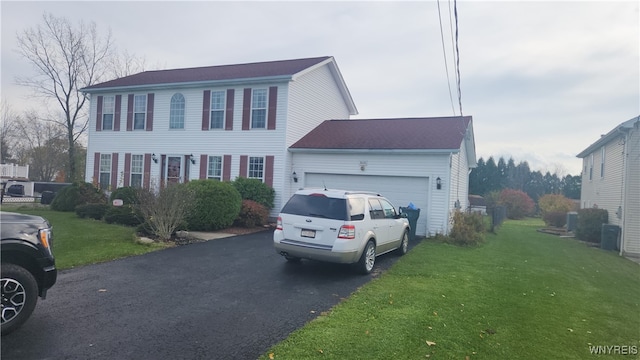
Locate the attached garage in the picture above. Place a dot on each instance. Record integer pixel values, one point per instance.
(424, 161)
(400, 190)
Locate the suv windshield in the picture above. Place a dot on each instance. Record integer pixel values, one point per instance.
(316, 205)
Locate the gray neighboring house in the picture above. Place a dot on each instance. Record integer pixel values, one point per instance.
(611, 181)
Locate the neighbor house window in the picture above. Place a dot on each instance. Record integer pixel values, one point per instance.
(591, 167)
(176, 112)
(602, 162)
(105, 171)
(214, 169)
(108, 107)
(256, 168)
(139, 111)
(136, 170)
(217, 109)
(259, 109)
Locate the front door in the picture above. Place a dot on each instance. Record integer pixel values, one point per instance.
(174, 169)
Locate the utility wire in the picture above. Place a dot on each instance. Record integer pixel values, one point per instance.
(455, 12)
(446, 66)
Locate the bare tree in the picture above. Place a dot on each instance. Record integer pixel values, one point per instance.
(7, 133)
(67, 58)
(42, 145)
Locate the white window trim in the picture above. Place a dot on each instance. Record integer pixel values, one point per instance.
(141, 173)
(184, 107)
(265, 108)
(101, 171)
(249, 167)
(110, 112)
(223, 109)
(209, 176)
(144, 113)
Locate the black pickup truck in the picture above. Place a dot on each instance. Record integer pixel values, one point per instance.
(28, 266)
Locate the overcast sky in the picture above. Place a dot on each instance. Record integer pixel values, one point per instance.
(542, 79)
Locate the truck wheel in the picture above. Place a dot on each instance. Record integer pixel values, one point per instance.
(19, 296)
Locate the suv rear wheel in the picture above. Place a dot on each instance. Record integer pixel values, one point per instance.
(19, 296)
(367, 259)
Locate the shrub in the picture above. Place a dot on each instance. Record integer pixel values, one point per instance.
(128, 195)
(256, 190)
(555, 218)
(216, 205)
(123, 215)
(77, 194)
(554, 203)
(252, 214)
(92, 211)
(589, 226)
(517, 202)
(467, 228)
(163, 212)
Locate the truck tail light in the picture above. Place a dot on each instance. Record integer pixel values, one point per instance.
(279, 223)
(347, 232)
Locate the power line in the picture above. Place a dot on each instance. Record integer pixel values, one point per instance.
(455, 12)
(444, 53)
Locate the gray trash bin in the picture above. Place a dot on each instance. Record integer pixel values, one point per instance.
(412, 215)
(47, 197)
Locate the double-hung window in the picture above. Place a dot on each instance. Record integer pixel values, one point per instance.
(108, 107)
(602, 162)
(105, 171)
(217, 109)
(136, 170)
(176, 112)
(214, 168)
(259, 109)
(139, 111)
(256, 168)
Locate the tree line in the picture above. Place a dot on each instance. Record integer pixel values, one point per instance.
(490, 176)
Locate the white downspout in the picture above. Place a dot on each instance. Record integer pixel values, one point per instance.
(625, 181)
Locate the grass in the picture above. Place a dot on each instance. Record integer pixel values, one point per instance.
(521, 295)
(85, 241)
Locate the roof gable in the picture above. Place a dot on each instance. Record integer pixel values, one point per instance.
(282, 68)
(442, 133)
(611, 135)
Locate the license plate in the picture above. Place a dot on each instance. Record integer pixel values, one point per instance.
(308, 233)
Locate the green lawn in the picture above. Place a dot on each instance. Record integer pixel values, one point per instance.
(521, 295)
(86, 241)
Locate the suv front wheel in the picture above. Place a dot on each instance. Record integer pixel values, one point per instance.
(367, 259)
(19, 296)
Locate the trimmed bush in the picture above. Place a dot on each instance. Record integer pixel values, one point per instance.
(256, 190)
(517, 202)
(123, 215)
(92, 211)
(589, 226)
(554, 203)
(216, 205)
(555, 218)
(77, 194)
(252, 214)
(467, 229)
(128, 195)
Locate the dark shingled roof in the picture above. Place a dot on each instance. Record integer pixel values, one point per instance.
(441, 133)
(213, 73)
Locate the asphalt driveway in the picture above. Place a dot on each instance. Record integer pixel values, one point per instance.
(229, 298)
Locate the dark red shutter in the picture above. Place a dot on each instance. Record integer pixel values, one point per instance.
(187, 165)
(150, 112)
(246, 110)
(116, 115)
(127, 169)
(243, 165)
(203, 166)
(147, 171)
(96, 169)
(206, 109)
(228, 125)
(99, 114)
(163, 164)
(268, 171)
(273, 102)
(114, 171)
(130, 112)
(226, 168)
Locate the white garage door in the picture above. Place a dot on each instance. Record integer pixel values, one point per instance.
(399, 190)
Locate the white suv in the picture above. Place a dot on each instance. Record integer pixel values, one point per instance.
(351, 227)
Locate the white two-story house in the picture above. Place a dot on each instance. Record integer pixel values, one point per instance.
(217, 122)
(611, 181)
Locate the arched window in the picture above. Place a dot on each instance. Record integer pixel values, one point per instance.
(176, 112)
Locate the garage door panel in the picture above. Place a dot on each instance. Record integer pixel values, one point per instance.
(399, 190)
